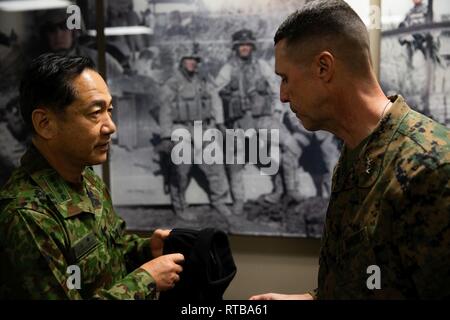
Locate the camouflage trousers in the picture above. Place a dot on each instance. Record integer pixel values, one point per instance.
(217, 187)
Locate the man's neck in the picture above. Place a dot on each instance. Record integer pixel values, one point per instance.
(66, 169)
(360, 113)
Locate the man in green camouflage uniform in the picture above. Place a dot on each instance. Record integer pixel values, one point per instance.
(189, 97)
(387, 229)
(60, 237)
(247, 86)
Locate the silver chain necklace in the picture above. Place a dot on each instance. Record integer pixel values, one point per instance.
(368, 160)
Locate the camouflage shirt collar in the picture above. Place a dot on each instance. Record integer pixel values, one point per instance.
(369, 163)
(68, 201)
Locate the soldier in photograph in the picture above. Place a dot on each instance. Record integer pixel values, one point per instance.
(57, 38)
(189, 97)
(417, 15)
(248, 90)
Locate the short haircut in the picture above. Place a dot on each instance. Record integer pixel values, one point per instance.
(47, 82)
(330, 23)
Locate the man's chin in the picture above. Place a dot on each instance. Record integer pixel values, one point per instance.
(98, 159)
(307, 124)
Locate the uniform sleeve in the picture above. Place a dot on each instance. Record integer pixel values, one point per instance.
(136, 250)
(34, 252)
(38, 266)
(422, 228)
(223, 77)
(216, 104)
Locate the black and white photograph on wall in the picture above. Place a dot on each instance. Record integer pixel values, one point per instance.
(208, 66)
(415, 54)
(186, 77)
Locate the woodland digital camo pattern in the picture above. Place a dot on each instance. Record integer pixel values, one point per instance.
(391, 209)
(46, 225)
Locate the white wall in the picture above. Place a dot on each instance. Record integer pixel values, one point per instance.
(271, 264)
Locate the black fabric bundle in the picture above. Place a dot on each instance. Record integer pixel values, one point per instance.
(208, 268)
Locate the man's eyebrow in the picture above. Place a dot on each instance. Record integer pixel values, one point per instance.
(100, 102)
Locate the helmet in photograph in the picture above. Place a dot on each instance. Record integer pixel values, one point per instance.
(243, 36)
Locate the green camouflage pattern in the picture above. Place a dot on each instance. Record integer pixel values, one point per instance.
(391, 209)
(46, 225)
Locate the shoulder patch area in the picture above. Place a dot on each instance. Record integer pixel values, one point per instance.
(430, 139)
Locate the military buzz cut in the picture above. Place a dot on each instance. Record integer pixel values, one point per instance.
(331, 23)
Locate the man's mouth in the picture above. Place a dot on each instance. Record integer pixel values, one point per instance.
(104, 146)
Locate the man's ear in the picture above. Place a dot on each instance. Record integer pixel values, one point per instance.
(44, 123)
(325, 65)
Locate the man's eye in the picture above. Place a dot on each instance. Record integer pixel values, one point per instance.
(96, 113)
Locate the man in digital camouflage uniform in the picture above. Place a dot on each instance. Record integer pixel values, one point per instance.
(248, 89)
(56, 214)
(190, 97)
(387, 230)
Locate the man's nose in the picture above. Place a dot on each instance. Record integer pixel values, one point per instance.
(109, 127)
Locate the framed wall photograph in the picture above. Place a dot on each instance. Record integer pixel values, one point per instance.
(205, 69)
(291, 202)
(415, 54)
